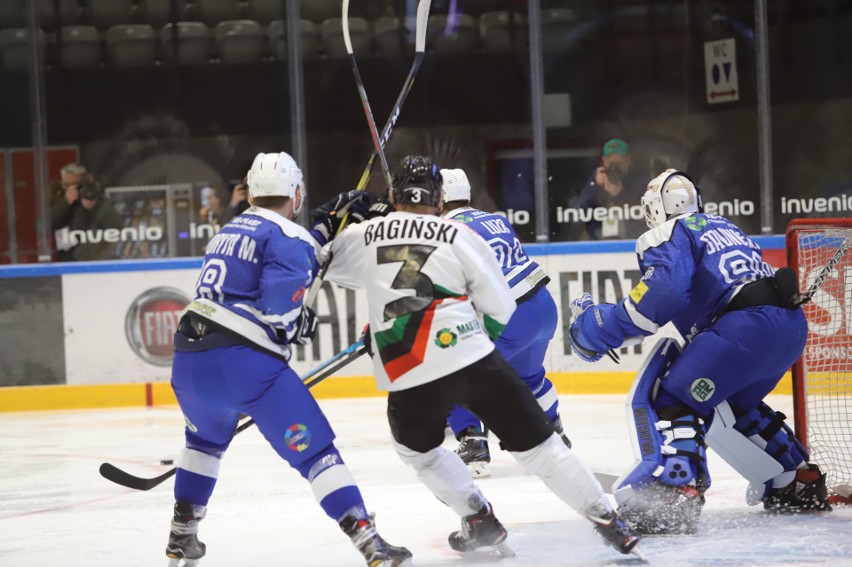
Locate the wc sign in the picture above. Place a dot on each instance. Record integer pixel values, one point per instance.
(720, 69)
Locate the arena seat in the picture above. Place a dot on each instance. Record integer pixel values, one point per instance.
(193, 43)
(158, 13)
(79, 47)
(131, 45)
(277, 32)
(52, 16)
(239, 41)
(105, 13)
(266, 11)
(211, 12)
(556, 24)
(15, 48)
(331, 31)
(458, 36)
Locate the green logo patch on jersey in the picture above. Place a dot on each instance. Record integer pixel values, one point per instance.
(695, 223)
(702, 389)
(446, 338)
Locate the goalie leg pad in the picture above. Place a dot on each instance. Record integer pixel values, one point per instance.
(767, 429)
(663, 491)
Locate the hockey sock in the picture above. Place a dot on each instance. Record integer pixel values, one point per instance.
(332, 483)
(196, 476)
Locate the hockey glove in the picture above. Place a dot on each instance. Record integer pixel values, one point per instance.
(580, 305)
(306, 327)
(328, 216)
(380, 208)
(368, 340)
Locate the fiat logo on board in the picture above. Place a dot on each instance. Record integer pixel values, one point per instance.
(152, 321)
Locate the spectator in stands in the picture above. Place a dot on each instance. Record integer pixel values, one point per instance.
(615, 182)
(65, 194)
(214, 211)
(79, 205)
(94, 214)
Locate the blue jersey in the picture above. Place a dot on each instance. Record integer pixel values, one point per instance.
(692, 266)
(523, 275)
(255, 274)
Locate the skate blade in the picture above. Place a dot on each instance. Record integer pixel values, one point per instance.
(489, 553)
(479, 469)
(182, 562)
(639, 555)
(393, 563)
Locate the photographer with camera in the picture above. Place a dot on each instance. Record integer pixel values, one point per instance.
(79, 205)
(615, 182)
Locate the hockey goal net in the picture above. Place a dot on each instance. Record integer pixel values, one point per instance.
(822, 378)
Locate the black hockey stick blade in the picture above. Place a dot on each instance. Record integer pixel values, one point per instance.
(118, 476)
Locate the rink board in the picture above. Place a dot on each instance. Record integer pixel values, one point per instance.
(110, 327)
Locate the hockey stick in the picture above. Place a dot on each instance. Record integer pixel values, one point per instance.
(378, 149)
(825, 272)
(421, 21)
(118, 476)
(365, 103)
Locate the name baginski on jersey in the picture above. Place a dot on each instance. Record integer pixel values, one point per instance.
(422, 276)
(523, 275)
(693, 265)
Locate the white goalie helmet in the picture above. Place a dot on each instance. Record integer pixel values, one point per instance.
(276, 175)
(671, 193)
(456, 187)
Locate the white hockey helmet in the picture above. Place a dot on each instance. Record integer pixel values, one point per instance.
(455, 185)
(671, 193)
(276, 175)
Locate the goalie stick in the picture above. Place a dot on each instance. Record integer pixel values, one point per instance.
(379, 144)
(326, 369)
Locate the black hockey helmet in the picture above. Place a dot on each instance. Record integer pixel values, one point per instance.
(417, 181)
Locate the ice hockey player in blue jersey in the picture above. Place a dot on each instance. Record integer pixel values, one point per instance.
(524, 341)
(743, 328)
(231, 357)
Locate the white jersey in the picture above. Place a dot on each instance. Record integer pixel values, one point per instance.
(423, 275)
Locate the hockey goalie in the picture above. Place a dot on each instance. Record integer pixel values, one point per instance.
(743, 328)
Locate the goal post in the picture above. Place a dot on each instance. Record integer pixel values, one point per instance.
(822, 377)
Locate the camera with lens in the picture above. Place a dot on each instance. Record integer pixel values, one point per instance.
(614, 174)
(88, 191)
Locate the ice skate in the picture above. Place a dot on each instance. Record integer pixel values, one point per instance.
(184, 549)
(473, 450)
(560, 430)
(807, 493)
(481, 534)
(375, 550)
(615, 531)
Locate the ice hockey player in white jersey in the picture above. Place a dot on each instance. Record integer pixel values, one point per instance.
(524, 341)
(436, 298)
(231, 357)
(743, 328)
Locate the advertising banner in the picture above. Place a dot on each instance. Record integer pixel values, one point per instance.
(119, 325)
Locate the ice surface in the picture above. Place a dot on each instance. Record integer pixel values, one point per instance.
(56, 510)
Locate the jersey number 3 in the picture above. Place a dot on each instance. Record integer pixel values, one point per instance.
(412, 256)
